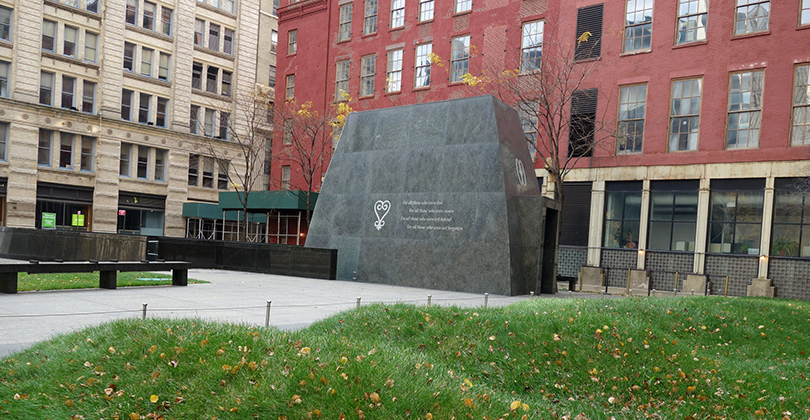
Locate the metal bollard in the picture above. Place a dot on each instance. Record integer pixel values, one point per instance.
(531, 293)
(429, 296)
(144, 312)
(267, 315)
(653, 292)
(486, 299)
(358, 302)
(693, 292)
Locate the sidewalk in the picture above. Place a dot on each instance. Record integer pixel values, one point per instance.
(29, 317)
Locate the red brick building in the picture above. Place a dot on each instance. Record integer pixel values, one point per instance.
(709, 103)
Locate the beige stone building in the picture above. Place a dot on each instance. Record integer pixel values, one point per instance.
(106, 107)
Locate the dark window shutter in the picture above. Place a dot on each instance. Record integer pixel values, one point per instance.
(583, 123)
(589, 19)
(576, 214)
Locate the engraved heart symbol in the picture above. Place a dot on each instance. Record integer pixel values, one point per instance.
(381, 210)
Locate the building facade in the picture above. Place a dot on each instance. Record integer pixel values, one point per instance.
(703, 106)
(118, 113)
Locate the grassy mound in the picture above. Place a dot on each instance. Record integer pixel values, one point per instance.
(628, 358)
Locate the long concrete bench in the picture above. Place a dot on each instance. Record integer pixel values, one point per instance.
(108, 270)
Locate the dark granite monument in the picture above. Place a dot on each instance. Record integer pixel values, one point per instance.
(439, 195)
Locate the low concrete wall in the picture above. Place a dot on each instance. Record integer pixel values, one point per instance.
(288, 260)
(47, 245)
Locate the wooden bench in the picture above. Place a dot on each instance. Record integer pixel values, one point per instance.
(108, 270)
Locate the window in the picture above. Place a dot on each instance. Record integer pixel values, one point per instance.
(199, 32)
(622, 214)
(146, 62)
(226, 83)
(90, 46)
(527, 112)
(292, 42)
(589, 19)
(160, 164)
(804, 15)
(143, 108)
(285, 177)
(46, 88)
(422, 66)
(129, 56)
(69, 45)
(397, 13)
(132, 11)
(5, 23)
(531, 47)
(752, 16)
(342, 80)
(791, 218)
(276, 4)
(86, 164)
(149, 10)
(425, 10)
(4, 79)
(692, 18)
(3, 141)
(229, 6)
(227, 41)
(224, 123)
(126, 104)
(273, 41)
(673, 215)
(125, 159)
(222, 174)
(801, 107)
(684, 114)
(68, 92)
(582, 125)
(632, 106)
(208, 129)
(88, 97)
(345, 23)
(271, 81)
(394, 71)
(163, 66)
(162, 108)
(213, 37)
(744, 110)
(194, 119)
(288, 131)
(49, 35)
(143, 163)
(460, 58)
(289, 93)
(166, 20)
(208, 172)
(638, 25)
(44, 147)
(211, 79)
(370, 17)
(92, 6)
(735, 222)
(463, 5)
(196, 75)
(193, 167)
(368, 64)
(66, 151)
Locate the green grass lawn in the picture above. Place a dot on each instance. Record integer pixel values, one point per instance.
(666, 358)
(90, 280)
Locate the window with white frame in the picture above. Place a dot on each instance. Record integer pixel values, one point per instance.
(69, 43)
(199, 32)
(287, 131)
(49, 35)
(126, 104)
(752, 16)
(344, 23)
(800, 135)
(342, 80)
(3, 141)
(125, 160)
(149, 11)
(90, 47)
(368, 66)
(226, 83)
(638, 25)
(397, 13)
(292, 42)
(166, 20)
(227, 41)
(213, 37)
(744, 109)
(684, 114)
(196, 75)
(289, 92)
(394, 71)
(5, 23)
(144, 105)
(88, 97)
(425, 10)
(463, 6)
(161, 157)
(804, 14)
(271, 79)
(46, 88)
(163, 66)
(194, 120)
(129, 56)
(142, 164)
(210, 122)
(531, 46)
(422, 66)
(44, 147)
(285, 177)
(224, 125)
(87, 152)
(146, 61)
(161, 112)
(370, 17)
(68, 92)
(66, 150)
(460, 58)
(273, 41)
(211, 79)
(131, 15)
(632, 108)
(692, 18)
(4, 66)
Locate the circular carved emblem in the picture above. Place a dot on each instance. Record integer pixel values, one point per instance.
(521, 172)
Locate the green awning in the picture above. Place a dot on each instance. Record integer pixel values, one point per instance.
(212, 211)
(264, 201)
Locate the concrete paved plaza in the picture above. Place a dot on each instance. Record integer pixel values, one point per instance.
(30, 317)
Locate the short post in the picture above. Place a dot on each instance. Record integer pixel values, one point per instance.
(144, 312)
(267, 315)
(531, 293)
(486, 299)
(726, 293)
(358, 302)
(429, 297)
(629, 271)
(676, 279)
(693, 292)
(653, 292)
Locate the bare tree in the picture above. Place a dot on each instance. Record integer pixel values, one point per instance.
(307, 139)
(247, 128)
